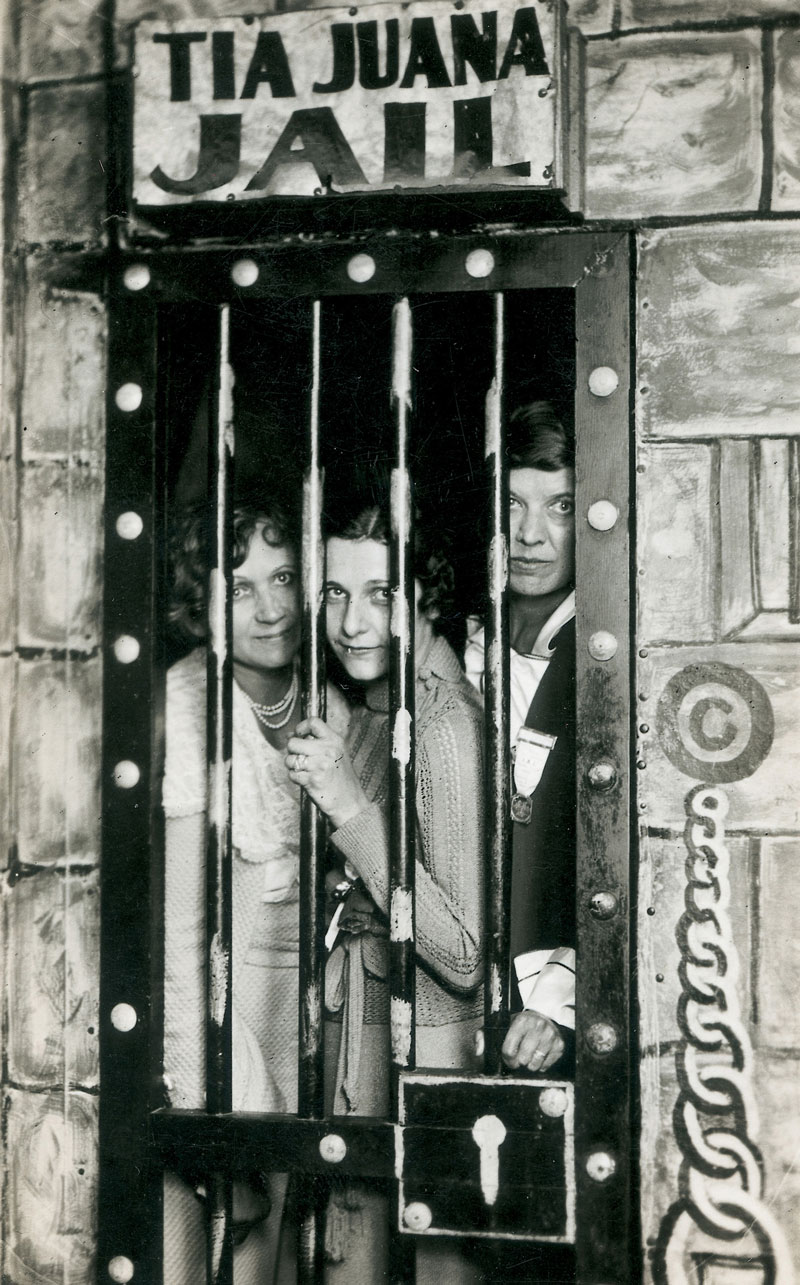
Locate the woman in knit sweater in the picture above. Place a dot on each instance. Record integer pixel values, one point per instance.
(349, 782)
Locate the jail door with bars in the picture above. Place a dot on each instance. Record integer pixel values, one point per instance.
(326, 360)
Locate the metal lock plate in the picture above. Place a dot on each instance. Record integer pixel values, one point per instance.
(487, 1157)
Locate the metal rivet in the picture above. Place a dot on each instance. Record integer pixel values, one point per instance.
(126, 649)
(659, 977)
(651, 910)
(361, 268)
(644, 728)
(601, 776)
(332, 1148)
(602, 515)
(603, 905)
(479, 263)
(244, 272)
(120, 1269)
(129, 526)
(644, 653)
(123, 1017)
(553, 1102)
(137, 276)
(128, 397)
(417, 1216)
(600, 1166)
(601, 1038)
(602, 645)
(641, 764)
(126, 774)
(603, 381)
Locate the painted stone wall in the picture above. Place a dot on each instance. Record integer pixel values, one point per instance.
(718, 707)
(51, 495)
(683, 121)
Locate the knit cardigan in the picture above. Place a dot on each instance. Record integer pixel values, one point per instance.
(450, 831)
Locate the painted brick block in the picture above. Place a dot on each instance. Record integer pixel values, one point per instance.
(51, 1188)
(8, 678)
(718, 340)
(59, 555)
(786, 169)
(658, 13)
(673, 124)
(737, 542)
(773, 519)
(591, 17)
(660, 1157)
(52, 980)
(9, 372)
(58, 757)
(57, 40)
(662, 892)
(63, 184)
(676, 544)
(778, 1100)
(711, 717)
(714, 541)
(779, 967)
(62, 399)
(8, 547)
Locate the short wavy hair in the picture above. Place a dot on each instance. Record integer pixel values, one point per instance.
(188, 566)
(368, 518)
(538, 438)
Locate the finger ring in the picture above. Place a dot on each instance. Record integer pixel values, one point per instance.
(299, 762)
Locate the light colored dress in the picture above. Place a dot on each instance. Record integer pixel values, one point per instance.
(265, 829)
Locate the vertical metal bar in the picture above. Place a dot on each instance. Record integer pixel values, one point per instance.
(403, 814)
(496, 687)
(312, 834)
(402, 988)
(312, 822)
(129, 1192)
(607, 1240)
(218, 798)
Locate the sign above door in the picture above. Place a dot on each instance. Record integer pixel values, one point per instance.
(381, 97)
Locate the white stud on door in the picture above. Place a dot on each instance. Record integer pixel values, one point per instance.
(489, 1133)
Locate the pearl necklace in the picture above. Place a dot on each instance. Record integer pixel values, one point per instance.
(283, 709)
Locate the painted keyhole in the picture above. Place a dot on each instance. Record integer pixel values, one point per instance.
(489, 1132)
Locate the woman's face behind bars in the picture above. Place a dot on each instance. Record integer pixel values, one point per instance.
(266, 606)
(541, 530)
(358, 606)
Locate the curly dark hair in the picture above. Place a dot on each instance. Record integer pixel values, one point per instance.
(188, 596)
(367, 517)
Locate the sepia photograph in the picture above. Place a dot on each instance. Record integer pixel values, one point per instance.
(400, 654)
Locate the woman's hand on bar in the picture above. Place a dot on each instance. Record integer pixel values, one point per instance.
(532, 1042)
(317, 760)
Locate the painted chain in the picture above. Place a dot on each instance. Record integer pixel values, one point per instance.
(724, 1172)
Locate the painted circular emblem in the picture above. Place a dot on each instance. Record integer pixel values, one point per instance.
(715, 722)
